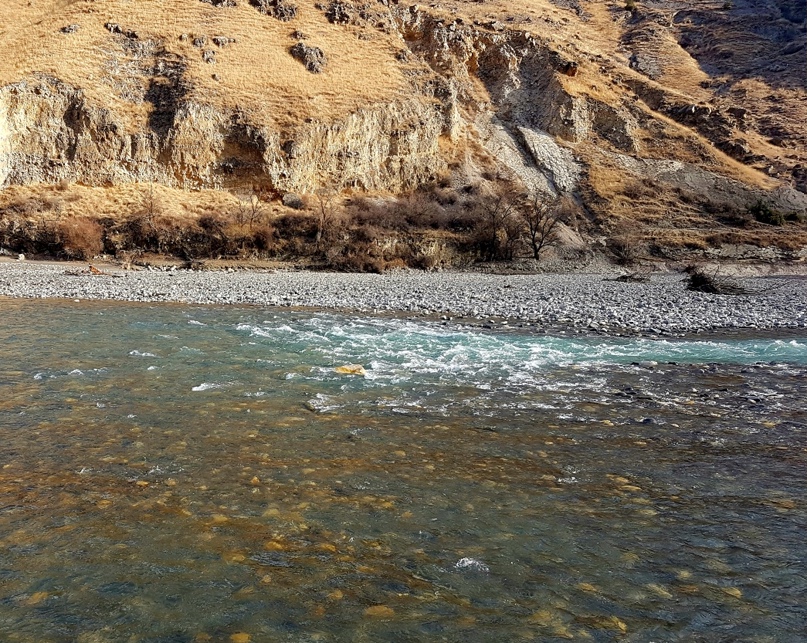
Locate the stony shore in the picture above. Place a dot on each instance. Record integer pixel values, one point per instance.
(592, 302)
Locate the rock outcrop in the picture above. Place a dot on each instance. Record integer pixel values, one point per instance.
(50, 133)
(541, 110)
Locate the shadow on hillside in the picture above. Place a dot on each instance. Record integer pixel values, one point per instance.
(166, 90)
(741, 39)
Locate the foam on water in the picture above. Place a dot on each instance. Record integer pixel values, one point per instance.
(395, 351)
(206, 386)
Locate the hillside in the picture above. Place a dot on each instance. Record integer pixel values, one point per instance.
(672, 126)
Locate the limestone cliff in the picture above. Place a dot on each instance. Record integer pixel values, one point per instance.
(51, 133)
(180, 94)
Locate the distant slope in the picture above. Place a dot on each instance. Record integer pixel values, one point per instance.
(671, 116)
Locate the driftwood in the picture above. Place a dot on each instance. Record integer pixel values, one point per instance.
(632, 278)
(91, 271)
(700, 281)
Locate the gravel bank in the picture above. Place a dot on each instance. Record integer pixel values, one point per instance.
(547, 300)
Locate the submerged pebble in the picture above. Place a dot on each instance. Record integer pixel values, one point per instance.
(485, 498)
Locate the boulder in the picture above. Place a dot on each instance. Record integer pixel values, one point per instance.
(313, 58)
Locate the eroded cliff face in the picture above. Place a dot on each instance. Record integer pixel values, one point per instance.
(550, 112)
(522, 76)
(544, 111)
(475, 75)
(49, 132)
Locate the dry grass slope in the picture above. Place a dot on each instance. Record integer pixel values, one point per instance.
(255, 73)
(697, 87)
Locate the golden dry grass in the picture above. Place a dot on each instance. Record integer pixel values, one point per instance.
(255, 74)
(51, 202)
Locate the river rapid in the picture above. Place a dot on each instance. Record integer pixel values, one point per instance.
(186, 473)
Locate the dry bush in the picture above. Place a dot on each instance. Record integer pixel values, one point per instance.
(213, 223)
(431, 209)
(81, 238)
(295, 234)
(208, 238)
(497, 229)
(29, 236)
(296, 225)
(35, 206)
(356, 257)
(161, 235)
(420, 210)
(396, 264)
(700, 281)
(264, 239)
(625, 249)
(390, 215)
(765, 213)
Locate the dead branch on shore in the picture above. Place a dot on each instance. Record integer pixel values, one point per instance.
(700, 281)
(91, 271)
(632, 278)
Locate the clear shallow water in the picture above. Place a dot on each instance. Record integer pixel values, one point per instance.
(175, 473)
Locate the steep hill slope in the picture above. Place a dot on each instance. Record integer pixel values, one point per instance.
(670, 120)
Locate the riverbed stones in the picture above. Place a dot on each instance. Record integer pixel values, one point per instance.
(545, 302)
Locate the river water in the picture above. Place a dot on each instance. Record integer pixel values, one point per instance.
(178, 473)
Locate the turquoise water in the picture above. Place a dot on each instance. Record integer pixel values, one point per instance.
(177, 473)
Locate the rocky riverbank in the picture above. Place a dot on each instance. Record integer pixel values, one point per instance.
(583, 301)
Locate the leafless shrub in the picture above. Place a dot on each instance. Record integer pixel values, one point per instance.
(699, 280)
(496, 212)
(28, 236)
(250, 209)
(80, 238)
(295, 234)
(355, 257)
(151, 206)
(326, 215)
(264, 239)
(541, 218)
(625, 249)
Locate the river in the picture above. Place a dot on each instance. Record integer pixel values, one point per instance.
(187, 473)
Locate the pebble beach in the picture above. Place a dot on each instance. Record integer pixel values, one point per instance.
(590, 302)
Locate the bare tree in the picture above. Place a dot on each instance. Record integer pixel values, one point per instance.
(326, 214)
(541, 218)
(144, 224)
(250, 209)
(497, 213)
(150, 206)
